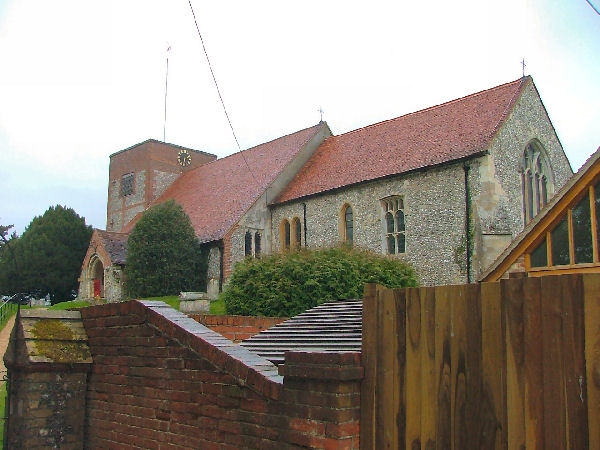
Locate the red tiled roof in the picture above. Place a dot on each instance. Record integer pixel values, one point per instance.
(443, 133)
(217, 194)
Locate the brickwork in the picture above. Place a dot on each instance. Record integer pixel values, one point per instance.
(236, 328)
(161, 379)
(154, 166)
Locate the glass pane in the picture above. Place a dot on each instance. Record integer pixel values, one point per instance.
(400, 220)
(248, 244)
(297, 233)
(529, 190)
(349, 224)
(597, 205)
(539, 256)
(582, 232)
(401, 243)
(544, 191)
(257, 243)
(287, 234)
(560, 243)
(391, 244)
(389, 219)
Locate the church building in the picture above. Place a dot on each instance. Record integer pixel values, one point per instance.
(445, 189)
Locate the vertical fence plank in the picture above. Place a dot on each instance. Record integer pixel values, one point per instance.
(458, 352)
(414, 375)
(429, 371)
(369, 348)
(573, 330)
(399, 361)
(493, 402)
(388, 395)
(512, 302)
(591, 285)
(553, 363)
(474, 407)
(534, 380)
(443, 412)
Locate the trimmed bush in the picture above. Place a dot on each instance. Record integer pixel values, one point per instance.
(164, 256)
(286, 284)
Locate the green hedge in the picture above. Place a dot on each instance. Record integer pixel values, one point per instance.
(286, 284)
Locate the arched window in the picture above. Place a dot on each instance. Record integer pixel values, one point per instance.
(536, 180)
(348, 225)
(394, 225)
(285, 234)
(297, 233)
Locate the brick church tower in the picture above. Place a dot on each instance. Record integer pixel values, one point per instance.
(141, 173)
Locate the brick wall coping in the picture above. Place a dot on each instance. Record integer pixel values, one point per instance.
(248, 368)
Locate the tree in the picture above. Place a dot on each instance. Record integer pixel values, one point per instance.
(164, 256)
(49, 254)
(289, 283)
(9, 273)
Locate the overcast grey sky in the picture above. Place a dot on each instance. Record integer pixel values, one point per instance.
(80, 80)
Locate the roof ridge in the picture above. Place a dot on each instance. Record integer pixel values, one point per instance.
(440, 105)
(320, 124)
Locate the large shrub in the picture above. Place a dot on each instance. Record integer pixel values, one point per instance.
(289, 283)
(164, 256)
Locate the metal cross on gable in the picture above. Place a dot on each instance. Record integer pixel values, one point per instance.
(524, 65)
(320, 110)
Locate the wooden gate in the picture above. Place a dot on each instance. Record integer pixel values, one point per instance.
(507, 365)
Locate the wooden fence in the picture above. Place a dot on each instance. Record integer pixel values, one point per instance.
(508, 365)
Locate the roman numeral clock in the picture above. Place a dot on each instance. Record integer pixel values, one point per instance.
(184, 158)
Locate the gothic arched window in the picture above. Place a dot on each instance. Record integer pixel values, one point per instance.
(536, 180)
(394, 225)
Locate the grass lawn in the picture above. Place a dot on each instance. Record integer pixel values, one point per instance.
(2, 403)
(216, 307)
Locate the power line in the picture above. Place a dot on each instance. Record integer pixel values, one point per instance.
(593, 7)
(219, 91)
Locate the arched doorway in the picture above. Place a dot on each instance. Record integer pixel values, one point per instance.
(97, 277)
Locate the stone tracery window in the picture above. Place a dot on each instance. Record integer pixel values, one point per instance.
(394, 225)
(536, 180)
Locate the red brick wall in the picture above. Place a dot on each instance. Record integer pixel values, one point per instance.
(162, 380)
(236, 328)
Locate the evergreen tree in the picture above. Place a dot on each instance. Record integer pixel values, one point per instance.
(8, 263)
(50, 252)
(164, 256)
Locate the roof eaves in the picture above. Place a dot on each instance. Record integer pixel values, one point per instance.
(474, 155)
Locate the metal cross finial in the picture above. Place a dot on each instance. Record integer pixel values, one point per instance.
(524, 65)
(321, 112)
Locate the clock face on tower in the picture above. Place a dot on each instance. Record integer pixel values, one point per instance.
(184, 158)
